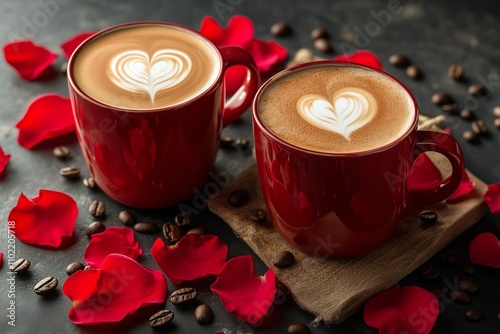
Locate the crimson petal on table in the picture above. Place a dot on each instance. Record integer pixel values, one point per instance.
(44, 220)
(1, 260)
(492, 197)
(465, 188)
(69, 45)
(363, 57)
(31, 61)
(47, 116)
(4, 161)
(266, 53)
(239, 30)
(485, 250)
(248, 295)
(424, 174)
(116, 290)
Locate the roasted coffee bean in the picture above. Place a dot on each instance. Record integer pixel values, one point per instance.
(201, 230)
(46, 286)
(451, 108)
(429, 271)
(498, 315)
(89, 182)
(183, 296)
(467, 285)
(319, 33)
(414, 72)
(204, 314)
(97, 208)
(496, 123)
(449, 257)
(95, 227)
(146, 228)
(161, 319)
(258, 215)
(61, 152)
(471, 136)
(21, 266)
(442, 98)
(428, 216)
(183, 218)
(460, 296)
(477, 90)
(172, 232)
(126, 218)
(456, 72)
(473, 314)
(284, 259)
(238, 198)
(297, 328)
(466, 113)
(70, 172)
(281, 29)
(226, 142)
(496, 111)
(73, 267)
(468, 269)
(479, 127)
(399, 60)
(242, 143)
(63, 69)
(323, 45)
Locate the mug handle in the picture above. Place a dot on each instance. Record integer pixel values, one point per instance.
(447, 146)
(242, 99)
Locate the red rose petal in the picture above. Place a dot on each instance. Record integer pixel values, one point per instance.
(1, 260)
(45, 219)
(363, 57)
(485, 250)
(109, 294)
(410, 310)
(266, 54)
(239, 30)
(117, 240)
(194, 256)
(463, 189)
(424, 174)
(69, 45)
(247, 295)
(492, 197)
(47, 116)
(31, 61)
(4, 161)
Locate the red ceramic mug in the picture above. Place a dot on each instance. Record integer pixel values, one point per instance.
(156, 158)
(341, 205)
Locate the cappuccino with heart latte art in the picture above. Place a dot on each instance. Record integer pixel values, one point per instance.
(146, 67)
(336, 108)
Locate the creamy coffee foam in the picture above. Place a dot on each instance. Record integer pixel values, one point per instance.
(336, 109)
(146, 67)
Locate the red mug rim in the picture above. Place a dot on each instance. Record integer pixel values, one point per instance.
(98, 34)
(320, 63)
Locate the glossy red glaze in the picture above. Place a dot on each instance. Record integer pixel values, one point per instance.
(341, 205)
(156, 158)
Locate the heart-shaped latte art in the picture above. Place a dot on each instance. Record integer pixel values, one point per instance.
(135, 71)
(350, 110)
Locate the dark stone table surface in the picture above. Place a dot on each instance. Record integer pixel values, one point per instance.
(434, 34)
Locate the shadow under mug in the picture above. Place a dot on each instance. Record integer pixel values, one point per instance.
(341, 205)
(156, 158)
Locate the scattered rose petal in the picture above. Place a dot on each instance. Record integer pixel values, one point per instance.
(492, 197)
(485, 250)
(447, 130)
(4, 161)
(424, 174)
(31, 61)
(194, 256)
(239, 30)
(117, 240)
(363, 57)
(410, 310)
(69, 45)
(109, 294)
(266, 53)
(1, 260)
(44, 220)
(463, 189)
(47, 116)
(241, 291)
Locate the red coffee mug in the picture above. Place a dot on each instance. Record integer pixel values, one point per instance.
(341, 205)
(156, 158)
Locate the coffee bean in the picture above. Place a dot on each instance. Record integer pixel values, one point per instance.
(201, 230)
(319, 33)
(70, 172)
(456, 72)
(73, 267)
(479, 127)
(498, 315)
(204, 314)
(468, 269)
(146, 228)
(496, 111)
(449, 257)
(471, 137)
(429, 271)
(64, 68)
(61, 152)
(172, 232)
(496, 123)
(90, 183)
(477, 90)
(242, 143)
(21, 266)
(323, 45)
(297, 328)
(466, 113)
(451, 108)
(281, 29)
(414, 72)
(258, 215)
(226, 142)
(161, 319)
(284, 259)
(95, 227)
(473, 314)
(97, 208)
(467, 285)
(238, 198)
(183, 218)
(460, 297)
(46, 286)
(428, 216)
(126, 218)
(442, 98)
(183, 296)
(399, 60)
